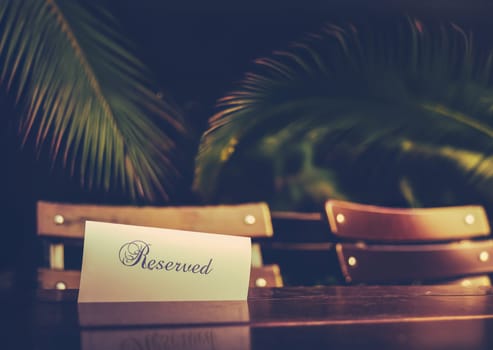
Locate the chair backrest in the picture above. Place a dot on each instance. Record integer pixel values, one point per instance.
(376, 244)
(62, 223)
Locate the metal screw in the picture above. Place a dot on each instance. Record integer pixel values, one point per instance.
(469, 219)
(340, 218)
(250, 219)
(484, 256)
(60, 285)
(352, 261)
(58, 219)
(466, 283)
(260, 282)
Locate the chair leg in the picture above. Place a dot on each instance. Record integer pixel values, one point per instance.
(57, 256)
(257, 260)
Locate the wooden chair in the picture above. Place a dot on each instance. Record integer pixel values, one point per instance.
(60, 224)
(396, 245)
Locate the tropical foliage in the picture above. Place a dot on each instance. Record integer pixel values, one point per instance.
(87, 100)
(398, 114)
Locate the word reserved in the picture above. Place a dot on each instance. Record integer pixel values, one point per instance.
(135, 253)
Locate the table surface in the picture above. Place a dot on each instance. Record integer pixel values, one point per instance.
(388, 317)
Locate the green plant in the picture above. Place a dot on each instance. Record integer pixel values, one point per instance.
(87, 100)
(400, 114)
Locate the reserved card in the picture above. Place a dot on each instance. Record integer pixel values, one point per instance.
(123, 263)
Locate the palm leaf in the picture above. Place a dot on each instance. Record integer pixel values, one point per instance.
(87, 99)
(392, 115)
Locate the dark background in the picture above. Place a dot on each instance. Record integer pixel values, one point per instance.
(197, 50)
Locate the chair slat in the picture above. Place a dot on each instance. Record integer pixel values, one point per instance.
(373, 223)
(261, 276)
(378, 263)
(66, 221)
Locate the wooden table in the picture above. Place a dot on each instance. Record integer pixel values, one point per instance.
(383, 317)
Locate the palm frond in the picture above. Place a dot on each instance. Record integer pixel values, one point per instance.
(87, 98)
(359, 106)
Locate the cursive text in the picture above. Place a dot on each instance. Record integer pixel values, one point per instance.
(136, 253)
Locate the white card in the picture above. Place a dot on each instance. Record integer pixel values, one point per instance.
(134, 263)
